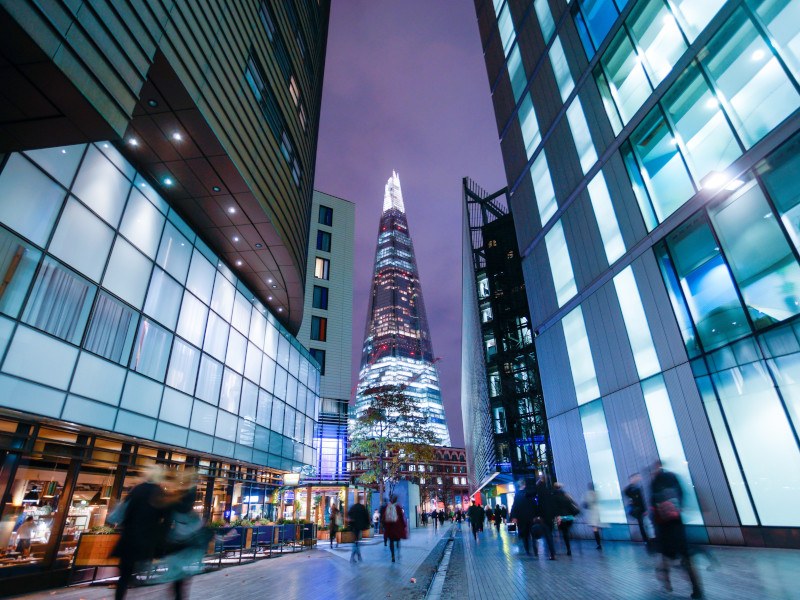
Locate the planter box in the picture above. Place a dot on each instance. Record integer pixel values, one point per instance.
(94, 550)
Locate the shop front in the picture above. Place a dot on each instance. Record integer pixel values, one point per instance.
(59, 484)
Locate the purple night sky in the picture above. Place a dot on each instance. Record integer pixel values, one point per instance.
(406, 89)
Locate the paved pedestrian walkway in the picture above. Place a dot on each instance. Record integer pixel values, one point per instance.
(318, 573)
(496, 568)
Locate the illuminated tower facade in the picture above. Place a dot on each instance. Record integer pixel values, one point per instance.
(397, 344)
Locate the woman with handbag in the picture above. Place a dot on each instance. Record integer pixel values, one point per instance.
(566, 509)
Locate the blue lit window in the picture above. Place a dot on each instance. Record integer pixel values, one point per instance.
(560, 264)
(319, 356)
(320, 297)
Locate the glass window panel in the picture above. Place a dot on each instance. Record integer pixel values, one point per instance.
(560, 264)
(561, 69)
(545, 17)
(252, 366)
(201, 277)
(506, 26)
(264, 412)
(678, 303)
(267, 373)
(249, 402)
(786, 371)
(142, 224)
(600, 16)
(151, 351)
(82, 240)
(320, 299)
(101, 186)
(663, 171)
(669, 445)
(209, 380)
(231, 391)
(771, 466)
(289, 421)
(29, 200)
(658, 37)
(321, 268)
(602, 464)
(644, 352)
(111, 329)
(40, 358)
(59, 302)
(258, 326)
(183, 365)
(781, 18)
(280, 383)
(701, 125)
(60, 162)
(639, 189)
(529, 126)
(283, 352)
(516, 72)
(241, 313)
(176, 408)
(759, 256)
(128, 273)
(707, 285)
(222, 300)
(606, 218)
(276, 423)
(141, 395)
(216, 339)
(608, 101)
(98, 379)
(291, 394)
(753, 87)
(174, 253)
(543, 188)
(237, 348)
(204, 418)
(581, 363)
(18, 262)
(626, 78)
(226, 425)
(192, 321)
(694, 16)
(163, 299)
(581, 135)
(779, 174)
(271, 340)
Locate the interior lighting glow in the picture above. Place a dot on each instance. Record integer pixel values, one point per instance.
(712, 103)
(167, 181)
(280, 309)
(757, 55)
(269, 297)
(236, 238)
(238, 263)
(177, 136)
(133, 142)
(715, 181)
(231, 210)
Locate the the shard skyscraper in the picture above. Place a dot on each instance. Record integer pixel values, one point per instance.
(397, 343)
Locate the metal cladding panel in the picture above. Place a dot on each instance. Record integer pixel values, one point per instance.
(539, 285)
(569, 452)
(626, 209)
(526, 215)
(630, 433)
(709, 479)
(559, 392)
(583, 239)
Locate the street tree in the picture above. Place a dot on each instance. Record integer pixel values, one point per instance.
(389, 433)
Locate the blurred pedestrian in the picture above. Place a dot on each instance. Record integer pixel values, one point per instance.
(546, 512)
(435, 519)
(333, 526)
(498, 517)
(505, 513)
(394, 521)
(636, 505)
(475, 515)
(523, 513)
(592, 513)
(489, 514)
(442, 515)
(358, 518)
(24, 535)
(566, 510)
(376, 521)
(666, 498)
(143, 522)
(381, 509)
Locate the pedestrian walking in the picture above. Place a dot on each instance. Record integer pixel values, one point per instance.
(592, 513)
(489, 514)
(333, 525)
(376, 521)
(442, 515)
(143, 522)
(636, 505)
(381, 510)
(394, 521)
(546, 512)
(666, 497)
(435, 519)
(505, 513)
(475, 515)
(566, 510)
(523, 514)
(358, 518)
(498, 517)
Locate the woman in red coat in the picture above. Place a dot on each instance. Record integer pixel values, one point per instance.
(394, 523)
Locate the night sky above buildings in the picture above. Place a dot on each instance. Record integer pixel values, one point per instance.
(406, 89)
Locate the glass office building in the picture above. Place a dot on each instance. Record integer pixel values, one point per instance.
(397, 347)
(650, 147)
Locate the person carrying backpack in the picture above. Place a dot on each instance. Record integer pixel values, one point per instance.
(394, 524)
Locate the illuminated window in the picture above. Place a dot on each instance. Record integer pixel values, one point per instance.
(322, 268)
(319, 356)
(584, 377)
(560, 264)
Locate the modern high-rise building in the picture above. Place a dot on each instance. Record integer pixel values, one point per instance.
(651, 151)
(501, 395)
(397, 347)
(327, 328)
(155, 194)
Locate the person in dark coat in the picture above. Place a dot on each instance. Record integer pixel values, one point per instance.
(143, 528)
(489, 513)
(394, 520)
(498, 517)
(358, 517)
(505, 513)
(566, 510)
(546, 512)
(333, 525)
(475, 515)
(523, 513)
(380, 510)
(666, 497)
(435, 519)
(636, 504)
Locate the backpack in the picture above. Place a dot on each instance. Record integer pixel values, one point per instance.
(390, 514)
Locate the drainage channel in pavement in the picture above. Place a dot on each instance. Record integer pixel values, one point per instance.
(435, 589)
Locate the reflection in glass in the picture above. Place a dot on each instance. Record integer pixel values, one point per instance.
(18, 262)
(658, 36)
(626, 78)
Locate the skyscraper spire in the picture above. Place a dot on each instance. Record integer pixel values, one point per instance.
(397, 343)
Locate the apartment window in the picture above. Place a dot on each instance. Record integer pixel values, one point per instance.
(658, 36)
(633, 315)
(294, 92)
(561, 69)
(319, 356)
(581, 364)
(606, 219)
(778, 17)
(626, 79)
(323, 241)
(560, 264)
(325, 215)
(319, 329)
(545, 19)
(516, 72)
(529, 126)
(320, 299)
(322, 268)
(543, 188)
(506, 26)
